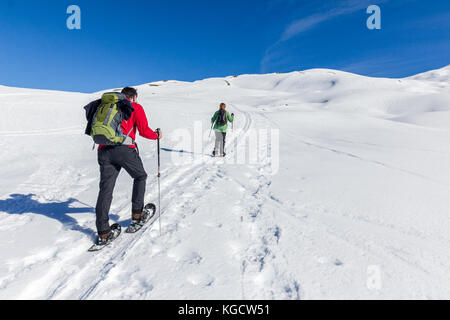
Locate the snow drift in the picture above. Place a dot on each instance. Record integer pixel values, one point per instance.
(358, 208)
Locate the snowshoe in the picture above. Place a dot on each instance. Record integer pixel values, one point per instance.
(116, 229)
(136, 225)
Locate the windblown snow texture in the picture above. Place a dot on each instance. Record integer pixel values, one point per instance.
(359, 208)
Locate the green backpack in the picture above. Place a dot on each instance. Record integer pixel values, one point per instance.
(106, 126)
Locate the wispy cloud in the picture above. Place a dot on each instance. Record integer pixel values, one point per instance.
(300, 25)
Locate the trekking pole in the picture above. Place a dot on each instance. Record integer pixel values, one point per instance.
(212, 128)
(232, 124)
(159, 183)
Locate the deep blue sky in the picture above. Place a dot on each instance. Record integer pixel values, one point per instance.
(136, 41)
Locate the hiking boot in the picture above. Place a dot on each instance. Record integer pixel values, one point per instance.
(107, 238)
(136, 217)
(224, 154)
(140, 218)
(214, 153)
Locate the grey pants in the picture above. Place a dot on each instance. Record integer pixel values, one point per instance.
(219, 148)
(111, 161)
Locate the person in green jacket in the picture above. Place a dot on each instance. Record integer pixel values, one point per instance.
(220, 121)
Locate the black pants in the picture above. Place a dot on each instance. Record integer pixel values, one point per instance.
(111, 161)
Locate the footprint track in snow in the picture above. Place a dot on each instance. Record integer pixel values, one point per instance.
(180, 177)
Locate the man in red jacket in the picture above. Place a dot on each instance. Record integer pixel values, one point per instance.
(113, 158)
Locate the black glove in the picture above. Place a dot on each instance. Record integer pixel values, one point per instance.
(232, 115)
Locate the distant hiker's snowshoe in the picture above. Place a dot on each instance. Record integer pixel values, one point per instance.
(148, 214)
(214, 155)
(116, 229)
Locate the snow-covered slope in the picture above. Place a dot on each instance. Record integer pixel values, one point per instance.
(356, 207)
(440, 75)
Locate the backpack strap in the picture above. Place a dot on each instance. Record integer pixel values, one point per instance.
(109, 115)
(126, 137)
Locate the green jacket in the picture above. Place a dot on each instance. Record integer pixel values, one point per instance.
(224, 127)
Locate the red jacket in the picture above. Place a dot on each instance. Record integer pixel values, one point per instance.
(137, 120)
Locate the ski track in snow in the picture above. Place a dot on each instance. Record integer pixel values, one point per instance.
(87, 271)
(254, 258)
(262, 245)
(104, 262)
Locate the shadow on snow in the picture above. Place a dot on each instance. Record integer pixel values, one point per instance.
(184, 151)
(24, 203)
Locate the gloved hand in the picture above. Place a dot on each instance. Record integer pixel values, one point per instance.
(159, 133)
(232, 115)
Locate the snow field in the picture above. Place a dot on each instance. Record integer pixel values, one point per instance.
(357, 209)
